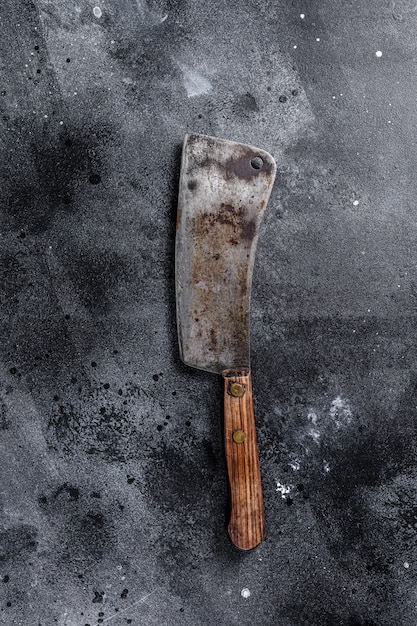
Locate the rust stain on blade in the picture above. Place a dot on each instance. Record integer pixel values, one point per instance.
(179, 212)
(223, 193)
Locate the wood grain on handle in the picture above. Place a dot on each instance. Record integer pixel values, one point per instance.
(247, 525)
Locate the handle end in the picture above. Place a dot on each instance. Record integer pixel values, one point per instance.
(246, 543)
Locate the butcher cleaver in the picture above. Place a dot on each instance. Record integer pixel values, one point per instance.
(223, 191)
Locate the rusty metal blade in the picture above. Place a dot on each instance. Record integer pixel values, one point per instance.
(224, 188)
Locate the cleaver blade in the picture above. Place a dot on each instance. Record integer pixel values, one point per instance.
(223, 191)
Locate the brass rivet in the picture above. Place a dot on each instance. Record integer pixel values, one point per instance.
(236, 389)
(239, 436)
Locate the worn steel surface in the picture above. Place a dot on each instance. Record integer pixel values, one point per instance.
(224, 188)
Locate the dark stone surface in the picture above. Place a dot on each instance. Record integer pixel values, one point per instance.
(113, 488)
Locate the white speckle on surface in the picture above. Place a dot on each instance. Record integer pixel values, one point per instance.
(97, 12)
(284, 490)
(406, 565)
(389, 121)
(295, 465)
(245, 593)
(314, 433)
(61, 123)
(295, 47)
(326, 466)
(317, 38)
(378, 53)
(195, 83)
(355, 202)
(334, 97)
(340, 412)
(302, 16)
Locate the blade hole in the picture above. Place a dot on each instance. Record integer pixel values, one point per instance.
(256, 163)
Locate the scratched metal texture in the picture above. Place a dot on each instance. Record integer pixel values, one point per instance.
(223, 191)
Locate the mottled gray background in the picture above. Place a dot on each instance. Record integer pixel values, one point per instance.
(113, 488)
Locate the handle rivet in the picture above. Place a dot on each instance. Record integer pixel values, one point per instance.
(239, 436)
(236, 389)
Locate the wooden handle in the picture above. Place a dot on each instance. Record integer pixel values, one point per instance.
(247, 524)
